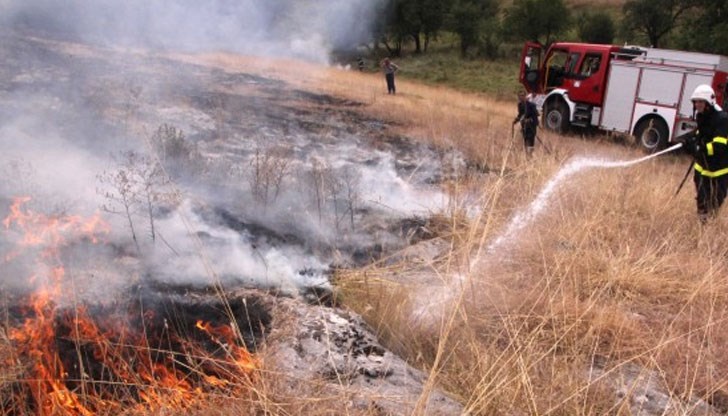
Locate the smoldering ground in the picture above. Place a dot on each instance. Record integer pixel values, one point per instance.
(253, 182)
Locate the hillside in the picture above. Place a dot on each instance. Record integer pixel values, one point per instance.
(298, 197)
(611, 301)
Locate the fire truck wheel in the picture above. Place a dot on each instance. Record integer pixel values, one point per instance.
(557, 116)
(651, 134)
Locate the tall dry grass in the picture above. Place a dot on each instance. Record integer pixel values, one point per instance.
(616, 277)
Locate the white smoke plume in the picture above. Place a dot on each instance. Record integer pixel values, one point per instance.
(307, 29)
(67, 113)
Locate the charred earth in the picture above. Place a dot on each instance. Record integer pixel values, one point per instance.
(167, 226)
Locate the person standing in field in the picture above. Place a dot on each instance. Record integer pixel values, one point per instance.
(709, 148)
(528, 117)
(389, 68)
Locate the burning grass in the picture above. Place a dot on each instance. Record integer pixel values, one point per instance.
(136, 355)
(614, 280)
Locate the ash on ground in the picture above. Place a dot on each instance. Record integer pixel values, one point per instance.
(212, 179)
(277, 185)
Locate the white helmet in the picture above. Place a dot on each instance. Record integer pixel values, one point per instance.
(704, 92)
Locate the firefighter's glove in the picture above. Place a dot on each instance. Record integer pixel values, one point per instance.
(692, 145)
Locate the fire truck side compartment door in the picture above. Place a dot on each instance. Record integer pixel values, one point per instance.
(660, 86)
(620, 97)
(692, 80)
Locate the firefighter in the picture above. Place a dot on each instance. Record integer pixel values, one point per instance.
(389, 69)
(709, 147)
(528, 117)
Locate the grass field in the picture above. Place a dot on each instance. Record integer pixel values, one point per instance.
(615, 277)
(610, 300)
(498, 78)
(613, 282)
(443, 65)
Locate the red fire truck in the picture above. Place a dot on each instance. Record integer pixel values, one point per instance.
(640, 91)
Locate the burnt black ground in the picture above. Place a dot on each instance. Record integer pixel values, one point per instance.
(89, 103)
(106, 101)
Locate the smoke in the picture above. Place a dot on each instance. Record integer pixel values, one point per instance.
(68, 111)
(41, 162)
(308, 29)
(236, 256)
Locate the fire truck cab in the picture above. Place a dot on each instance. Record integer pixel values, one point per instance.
(631, 90)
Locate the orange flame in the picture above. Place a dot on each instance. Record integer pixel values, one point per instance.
(52, 231)
(153, 375)
(225, 336)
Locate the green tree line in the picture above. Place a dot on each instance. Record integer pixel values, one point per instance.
(482, 26)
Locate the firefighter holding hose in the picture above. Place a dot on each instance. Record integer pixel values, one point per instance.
(528, 117)
(709, 148)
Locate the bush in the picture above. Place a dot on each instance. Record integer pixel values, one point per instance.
(177, 154)
(596, 27)
(537, 20)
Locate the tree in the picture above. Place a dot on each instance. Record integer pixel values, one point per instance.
(269, 167)
(409, 23)
(596, 27)
(137, 185)
(154, 187)
(469, 19)
(706, 29)
(350, 180)
(537, 20)
(121, 191)
(410, 20)
(432, 16)
(177, 155)
(402, 23)
(654, 19)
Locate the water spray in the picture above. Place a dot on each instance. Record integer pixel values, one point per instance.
(519, 221)
(432, 306)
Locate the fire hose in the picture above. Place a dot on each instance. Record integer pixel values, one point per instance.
(648, 157)
(685, 178)
(545, 146)
(662, 152)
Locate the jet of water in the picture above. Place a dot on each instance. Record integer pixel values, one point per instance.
(523, 218)
(431, 303)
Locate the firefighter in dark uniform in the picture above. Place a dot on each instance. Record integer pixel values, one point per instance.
(709, 147)
(528, 116)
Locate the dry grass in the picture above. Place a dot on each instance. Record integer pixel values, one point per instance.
(616, 274)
